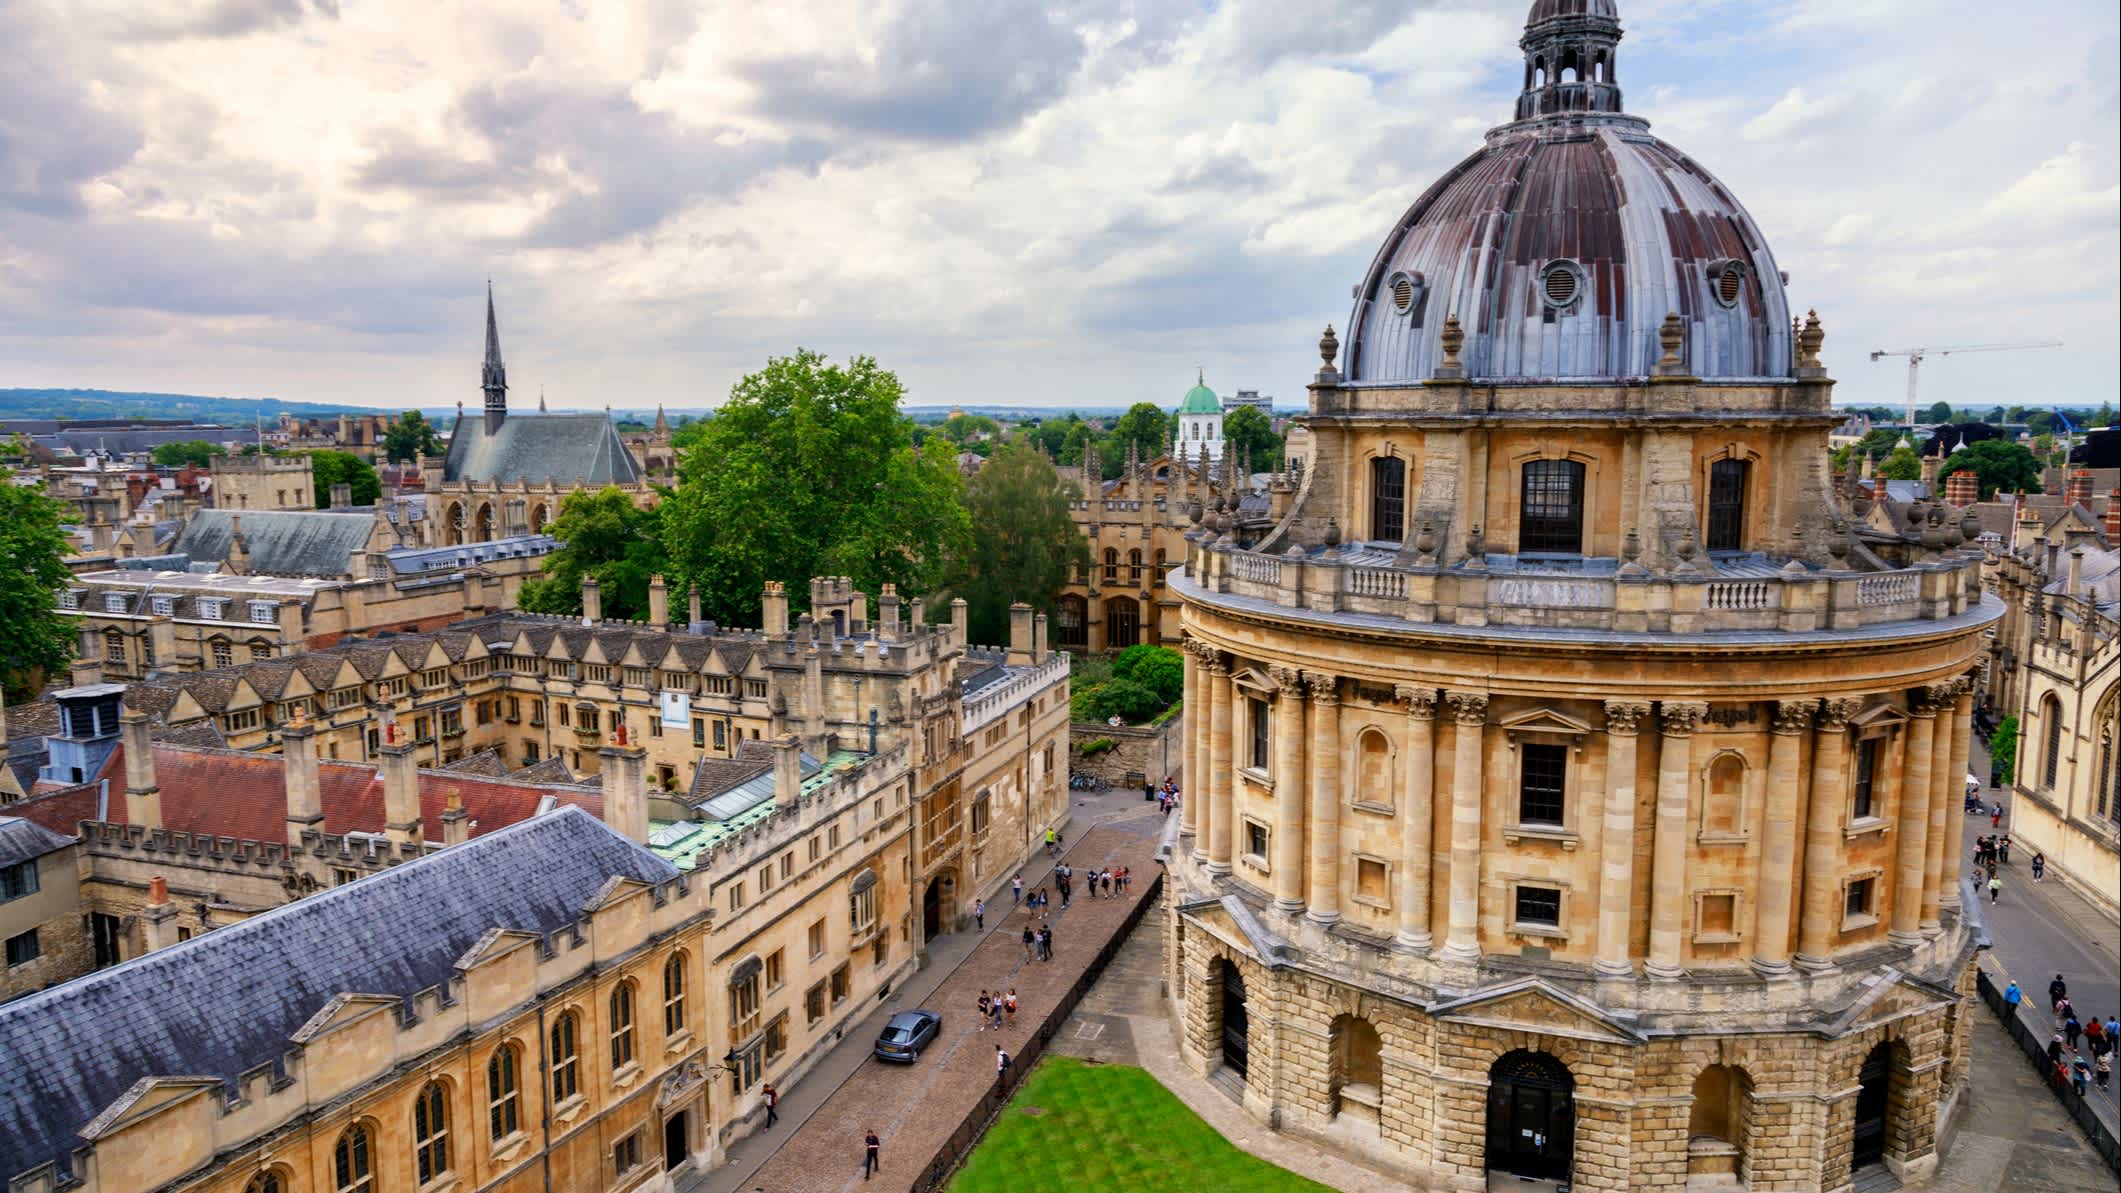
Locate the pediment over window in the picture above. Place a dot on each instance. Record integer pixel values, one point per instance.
(1878, 717)
(1544, 720)
(1258, 682)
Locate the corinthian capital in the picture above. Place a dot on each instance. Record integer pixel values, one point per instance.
(1325, 689)
(1421, 702)
(1682, 717)
(1834, 714)
(1931, 699)
(1468, 708)
(1794, 716)
(1288, 679)
(1624, 717)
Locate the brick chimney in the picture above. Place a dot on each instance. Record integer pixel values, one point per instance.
(456, 822)
(305, 800)
(1019, 634)
(2113, 518)
(143, 798)
(658, 601)
(401, 791)
(2073, 579)
(1961, 489)
(2079, 489)
(625, 795)
(159, 920)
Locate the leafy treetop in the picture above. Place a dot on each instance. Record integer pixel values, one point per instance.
(36, 639)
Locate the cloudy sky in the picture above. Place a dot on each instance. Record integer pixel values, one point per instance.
(1070, 203)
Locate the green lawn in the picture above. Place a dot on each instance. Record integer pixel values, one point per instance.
(1111, 1129)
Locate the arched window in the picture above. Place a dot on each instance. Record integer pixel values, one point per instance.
(1551, 517)
(1158, 578)
(566, 1072)
(1111, 565)
(502, 1092)
(2051, 756)
(674, 994)
(1074, 623)
(267, 1181)
(1718, 1111)
(1374, 769)
(1723, 809)
(353, 1161)
(260, 650)
(621, 1025)
(1122, 623)
(1727, 505)
(430, 1133)
(1388, 499)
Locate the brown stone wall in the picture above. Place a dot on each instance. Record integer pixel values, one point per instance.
(1151, 751)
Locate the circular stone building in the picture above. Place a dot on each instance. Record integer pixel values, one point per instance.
(1576, 776)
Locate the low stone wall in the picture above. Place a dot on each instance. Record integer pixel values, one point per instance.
(1145, 753)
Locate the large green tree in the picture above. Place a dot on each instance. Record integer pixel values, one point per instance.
(1997, 464)
(1076, 443)
(1022, 544)
(411, 434)
(1248, 429)
(196, 452)
(344, 468)
(601, 534)
(1142, 425)
(1902, 465)
(36, 640)
(809, 470)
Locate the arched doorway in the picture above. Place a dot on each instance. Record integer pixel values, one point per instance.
(1235, 1023)
(1531, 1116)
(538, 518)
(453, 525)
(1123, 623)
(934, 903)
(1874, 1088)
(1357, 1075)
(1717, 1125)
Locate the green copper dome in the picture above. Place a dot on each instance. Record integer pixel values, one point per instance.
(1201, 400)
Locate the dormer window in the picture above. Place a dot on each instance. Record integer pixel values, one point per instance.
(164, 606)
(114, 602)
(70, 599)
(264, 612)
(210, 608)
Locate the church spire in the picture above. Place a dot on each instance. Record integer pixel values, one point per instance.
(493, 375)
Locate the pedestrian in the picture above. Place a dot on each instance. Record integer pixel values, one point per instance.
(1001, 1064)
(2003, 850)
(2080, 1074)
(2072, 1031)
(1045, 943)
(870, 1146)
(2113, 1032)
(983, 1010)
(1995, 816)
(773, 1105)
(1016, 890)
(1108, 884)
(2095, 1031)
(1064, 896)
(2039, 866)
(979, 915)
(2057, 991)
(1992, 867)
(2064, 1009)
(1052, 841)
(2103, 1068)
(1029, 937)
(1995, 888)
(1009, 1004)
(2054, 1049)
(2012, 996)
(994, 1012)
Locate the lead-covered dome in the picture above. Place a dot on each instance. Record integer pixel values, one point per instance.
(1565, 241)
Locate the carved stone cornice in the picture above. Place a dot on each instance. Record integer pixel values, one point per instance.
(1468, 708)
(1325, 689)
(1624, 717)
(1421, 702)
(1794, 716)
(1681, 717)
(1834, 714)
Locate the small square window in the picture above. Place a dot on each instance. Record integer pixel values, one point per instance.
(23, 949)
(1256, 839)
(1859, 898)
(1539, 905)
(1370, 879)
(1719, 917)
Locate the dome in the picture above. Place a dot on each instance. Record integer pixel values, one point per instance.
(1565, 241)
(1200, 400)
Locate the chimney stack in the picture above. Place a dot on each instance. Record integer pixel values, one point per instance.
(658, 602)
(401, 792)
(692, 608)
(2113, 519)
(2074, 580)
(1038, 639)
(143, 798)
(592, 600)
(787, 771)
(2079, 489)
(1961, 489)
(625, 797)
(920, 614)
(773, 608)
(305, 801)
(342, 496)
(160, 919)
(887, 613)
(456, 822)
(960, 621)
(1019, 634)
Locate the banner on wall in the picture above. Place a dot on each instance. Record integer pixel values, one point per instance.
(677, 710)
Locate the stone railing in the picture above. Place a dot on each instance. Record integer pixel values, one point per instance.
(1794, 599)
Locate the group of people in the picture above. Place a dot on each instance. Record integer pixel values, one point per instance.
(1167, 796)
(1110, 878)
(1038, 943)
(2068, 1067)
(993, 1009)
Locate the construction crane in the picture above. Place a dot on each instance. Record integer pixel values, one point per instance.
(1914, 365)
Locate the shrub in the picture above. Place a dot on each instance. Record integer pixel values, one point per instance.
(1160, 669)
(1091, 749)
(1125, 699)
(2003, 751)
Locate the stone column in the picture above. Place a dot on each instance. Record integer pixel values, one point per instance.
(1616, 851)
(1417, 817)
(1955, 825)
(1324, 836)
(1912, 822)
(1778, 846)
(1196, 733)
(1216, 814)
(1286, 720)
(1668, 888)
(1462, 937)
(1821, 918)
(1945, 780)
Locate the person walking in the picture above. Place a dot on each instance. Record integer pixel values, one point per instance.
(1045, 943)
(1029, 938)
(2103, 1068)
(2039, 866)
(2054, 1049)
(1052, 843)
(1995, 816)
(871, 1146)
(773, 1104)
(2057, 991)
(994, 1012)
(2012, 996)
(979, 915)
(2003, 849)
(1001, 1065)
(1009, 1004)
(983, 1010)
(1995, 888)
(2080, 1074)
(2072, 1030)
(1016, 890)
(2095, 1033)
(2113, 1032)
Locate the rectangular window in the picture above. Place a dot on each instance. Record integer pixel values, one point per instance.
(1719, 916)
(264, 613)
(814, 1003)
(1551, 513)
(114, 602)
(1859, 898)
(744, 1007)
(1866, 778)
(842, 984)
(1388, 499)
(775, 970)
(23, 949)
(1727, 505)
(755, 689)
(817, 940)
(765, 878)
(1542, 775)
(18, 880)
(1261, 733)
(776, 1039)
(736, 895)
(1370, 879)
(787, 865)
(164, 606)
(1256, 839)
(721, 735)
(982, 811)
(861, 910)
(626, 1156)
(882, 948)
(1539, 905)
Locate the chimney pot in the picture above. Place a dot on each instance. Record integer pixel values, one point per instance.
(157, 891)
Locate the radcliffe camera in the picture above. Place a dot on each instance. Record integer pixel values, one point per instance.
(688, 597)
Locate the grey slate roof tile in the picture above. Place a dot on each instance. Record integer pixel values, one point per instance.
(537, 448)
(22, 840)
(281, 542)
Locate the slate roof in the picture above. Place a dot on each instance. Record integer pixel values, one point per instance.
(229, 1000)
(538, 448)
(713, 776)
(281, 542)
(21, 840)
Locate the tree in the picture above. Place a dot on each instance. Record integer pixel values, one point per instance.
(2003, 752)
(1248, 429)
(1052, 433)
(808, 470)
(964, 428)
(1997, 464)
(1125, 699)
(1022, 544)
(601, 534)
(1902, 465)
(1076, 444)
(1143, 426)
(1160, 669)
(35, 638)
(344, 468)
(196, 452)
(411, 434)
(1937, 412)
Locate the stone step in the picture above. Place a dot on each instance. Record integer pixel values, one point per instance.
(1874, 1178)
(1227, 1080)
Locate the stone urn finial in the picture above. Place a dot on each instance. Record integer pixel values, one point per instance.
(1630, 546)
(1328, 348)
(1809, 341)
(1970, 525)
(1425, 540)
(1454, 338)
(1476, 543)
(1840, 538)
(1332, 532)
(1688, 548)
(1671, 335)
